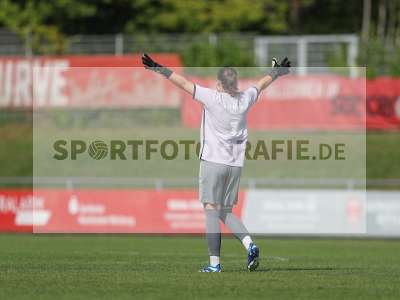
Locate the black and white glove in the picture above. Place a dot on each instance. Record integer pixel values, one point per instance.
(156, 67)
(279, 69)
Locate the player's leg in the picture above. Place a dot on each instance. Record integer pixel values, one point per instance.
(238, 229)
(234, 224)
(211, 180)
(213, 235)
(230, 199)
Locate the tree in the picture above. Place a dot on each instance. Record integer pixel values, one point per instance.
(268, 16)
(366, 20)
(296, 8)
(30, 20)
(381, 19)
(380, 38)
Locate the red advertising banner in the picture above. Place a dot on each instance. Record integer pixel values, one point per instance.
(323, 102)
(16, 208)
(85, 82)
(316, 103)
(383, 103)
(270, 211)
(103, 211)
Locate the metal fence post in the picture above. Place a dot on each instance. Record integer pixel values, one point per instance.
(69, 184)
(119, 44)
(352, 56)
(158, 184)
(302, 56)
(28, 45)
(261, 51)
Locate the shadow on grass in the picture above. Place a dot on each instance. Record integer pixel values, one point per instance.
(302, 269)
(294, 269)
(299, 269)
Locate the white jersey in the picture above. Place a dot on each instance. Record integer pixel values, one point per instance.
(224, 124)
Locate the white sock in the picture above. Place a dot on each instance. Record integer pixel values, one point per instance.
(246, 241)
(214, 261)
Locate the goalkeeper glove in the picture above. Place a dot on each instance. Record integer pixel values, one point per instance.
(152, 65)
(279, 69)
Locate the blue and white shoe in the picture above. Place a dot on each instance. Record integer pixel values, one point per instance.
(253, 257)
(211, 269)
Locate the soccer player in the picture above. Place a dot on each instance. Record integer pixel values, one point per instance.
(223, 145)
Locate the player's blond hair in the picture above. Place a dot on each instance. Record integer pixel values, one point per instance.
(228, 78)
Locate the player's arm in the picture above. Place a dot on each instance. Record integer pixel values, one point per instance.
(182, 82)
(176, 79)
(278, 69)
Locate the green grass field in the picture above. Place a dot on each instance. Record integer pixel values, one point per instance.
(382, 155)
(146, 267)
(380, 159)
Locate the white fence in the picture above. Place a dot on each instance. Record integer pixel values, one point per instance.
(161, 183)
(307, 50)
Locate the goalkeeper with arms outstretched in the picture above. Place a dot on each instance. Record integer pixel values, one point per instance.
(223, 145)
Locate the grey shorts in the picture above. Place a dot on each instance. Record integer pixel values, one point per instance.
(218, 183)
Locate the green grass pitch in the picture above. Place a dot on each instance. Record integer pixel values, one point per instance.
(165, 267)
(382, 159)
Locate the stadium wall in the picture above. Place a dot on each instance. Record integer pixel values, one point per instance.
(317, 103)
(90, 82)
(272, 211)
(323, 102)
